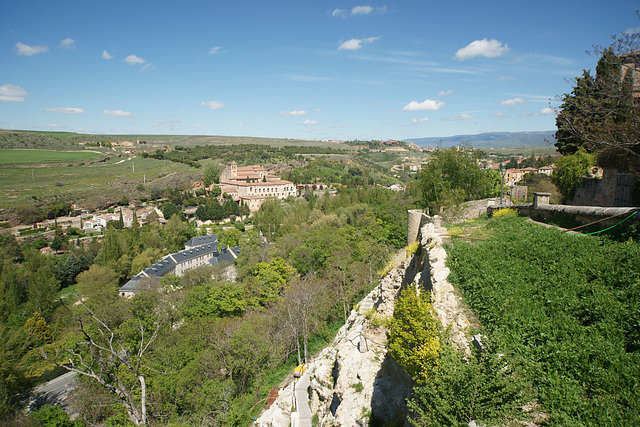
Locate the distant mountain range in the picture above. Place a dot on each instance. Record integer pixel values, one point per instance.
(490, 140)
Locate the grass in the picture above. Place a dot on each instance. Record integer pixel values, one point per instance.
(68, 294)
(10, 157)
(109, 180)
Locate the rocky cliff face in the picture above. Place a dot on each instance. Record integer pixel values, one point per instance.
(354, 381)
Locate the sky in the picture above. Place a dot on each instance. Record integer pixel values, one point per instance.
(308, 69)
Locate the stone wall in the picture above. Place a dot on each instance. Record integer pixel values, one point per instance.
(584, 214)
(613, 189)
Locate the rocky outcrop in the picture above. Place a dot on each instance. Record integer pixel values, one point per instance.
(354, 380)
(434, 276)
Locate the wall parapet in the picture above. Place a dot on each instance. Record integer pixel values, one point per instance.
(582, 214)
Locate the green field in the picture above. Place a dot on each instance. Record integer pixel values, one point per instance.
(11, 157)
(95, 183)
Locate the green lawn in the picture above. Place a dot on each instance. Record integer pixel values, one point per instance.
(9, 157)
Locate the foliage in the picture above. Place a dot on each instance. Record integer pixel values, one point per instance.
(563, 311)
(212, 173)
(505, 213)
(453, 176)
(600, 111)
(413, 335)
(52, 416)
(38, 329)
(482, 387)
(217, 341)
(568, 171)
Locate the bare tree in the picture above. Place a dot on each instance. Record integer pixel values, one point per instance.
(304, 302)
(105, 355)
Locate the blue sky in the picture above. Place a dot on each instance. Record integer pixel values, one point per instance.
(298, 69)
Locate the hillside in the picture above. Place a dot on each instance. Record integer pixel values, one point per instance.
(71, 140)
(490, 140)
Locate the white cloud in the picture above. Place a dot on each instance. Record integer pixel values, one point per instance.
(505, 78)
(513, 101)
(445, 92)
(339, 13)
(106, 55)
(294, 113)
(53, 125)
(361, 10)
(26, 50)
(426, 105)
(418, 121)
(487, 48)
(214, 50)
(367, 10)
(214, 105)
(117, 113)
(309, 122)
(500, 115)
(133, 60)
(68, 44)
(12, 93)
(355, 44)
(63, 110)
(463, 116)
(544, 112)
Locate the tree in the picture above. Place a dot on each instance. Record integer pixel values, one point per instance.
(601, 112)
(169, 209)
(453, 176)
(212, 173)
(413, 336)
(304, 302)
(99, 283)
(110, 355)
(569, 169)
(38, 329)
(230, 237)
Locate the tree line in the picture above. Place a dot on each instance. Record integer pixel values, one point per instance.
(201, 348)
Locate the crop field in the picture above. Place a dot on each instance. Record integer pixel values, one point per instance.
(9, 157)
(109, 180)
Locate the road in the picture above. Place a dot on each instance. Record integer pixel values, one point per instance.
(55, 392)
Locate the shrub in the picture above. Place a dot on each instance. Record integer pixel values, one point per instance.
(505, 213)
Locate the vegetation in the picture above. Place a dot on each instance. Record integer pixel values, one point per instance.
(562, 311)
(601, 115)
(413, 336)
(453, 176)
(45, 156)
(197, 347)
(600, 112)
(569, 169)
